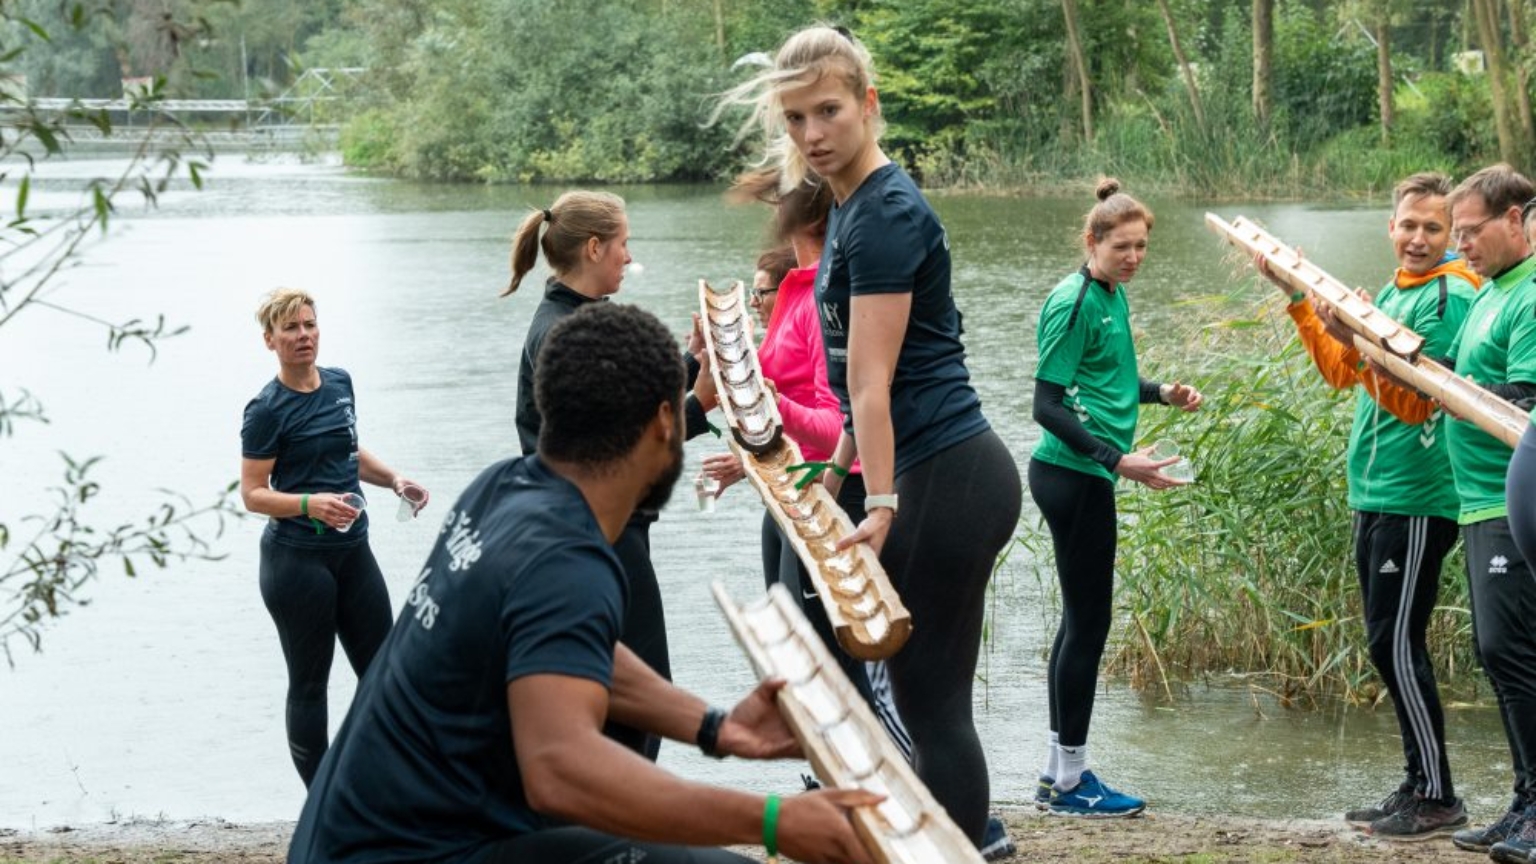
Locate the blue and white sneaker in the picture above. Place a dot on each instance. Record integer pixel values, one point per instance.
(1043, 792)
(1091, 799)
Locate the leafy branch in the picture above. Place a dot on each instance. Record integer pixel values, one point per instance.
(65, 551)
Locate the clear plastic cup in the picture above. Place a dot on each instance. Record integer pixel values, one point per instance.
(412, 499)
(355, 501)
(1180, 471)
(706, 487)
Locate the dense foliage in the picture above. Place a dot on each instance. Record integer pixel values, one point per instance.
(981, 92)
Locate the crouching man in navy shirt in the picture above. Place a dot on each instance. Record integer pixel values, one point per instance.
(476, 735)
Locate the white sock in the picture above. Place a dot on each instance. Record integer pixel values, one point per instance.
(1074, 761)
(1052, 758)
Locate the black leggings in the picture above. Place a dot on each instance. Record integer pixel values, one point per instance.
(1397, 559)
(315, 596)
(958, 510)
(585, 846)
(645, 624)
(1080, 511)
(782, 566)
(1520, 493)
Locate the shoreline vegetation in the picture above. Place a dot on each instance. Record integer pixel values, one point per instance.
(1156, 837)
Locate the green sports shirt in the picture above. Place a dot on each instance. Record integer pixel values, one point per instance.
(1496, 345)
(1085, 345)
(1395, 467)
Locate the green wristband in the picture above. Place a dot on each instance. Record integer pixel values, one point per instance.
(771, 826)
(1298, 297)
(304, 504)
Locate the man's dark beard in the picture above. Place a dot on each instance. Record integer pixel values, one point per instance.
(661, 491)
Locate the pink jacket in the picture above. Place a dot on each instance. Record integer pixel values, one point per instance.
(794, 361)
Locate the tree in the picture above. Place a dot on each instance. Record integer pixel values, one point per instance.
(1080, 63)
(43, 570)
(1485, 13)
(1263, 59)
(1190, 84)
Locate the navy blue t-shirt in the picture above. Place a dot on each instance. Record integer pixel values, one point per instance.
(885, 239)
(313, 437)
(520, 582)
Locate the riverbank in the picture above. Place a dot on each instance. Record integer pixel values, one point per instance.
(1157, 837)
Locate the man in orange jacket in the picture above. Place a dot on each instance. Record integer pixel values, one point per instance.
(1403, 495)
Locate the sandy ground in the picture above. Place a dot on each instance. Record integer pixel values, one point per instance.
(1153, 838)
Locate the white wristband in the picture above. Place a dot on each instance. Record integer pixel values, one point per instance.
(877, 502)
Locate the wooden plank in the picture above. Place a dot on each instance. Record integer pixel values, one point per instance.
(862, 605)
(1461, 397)
(846, 746)
(1302, 275)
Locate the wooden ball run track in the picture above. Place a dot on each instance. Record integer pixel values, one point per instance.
(862, 605)
(844, 742)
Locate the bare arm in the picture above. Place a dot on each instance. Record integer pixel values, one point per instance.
(372, 470)
(571, 771)
(259, 497)
(874, 342)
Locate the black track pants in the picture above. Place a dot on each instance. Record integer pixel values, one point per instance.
(1397, 559)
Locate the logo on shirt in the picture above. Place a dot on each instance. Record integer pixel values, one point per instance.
(1389, 567)
(463, 545)
(1427, 431)
(1498, 564)
(426, 608)
(832, 318)
(1073, 404)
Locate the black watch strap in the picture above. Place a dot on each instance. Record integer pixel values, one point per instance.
(709, 732)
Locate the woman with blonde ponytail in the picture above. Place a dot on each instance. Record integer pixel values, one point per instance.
(895, 361)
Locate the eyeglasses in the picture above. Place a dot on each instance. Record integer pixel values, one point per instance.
(759, 293)
(1461, 235)
(1527, 210)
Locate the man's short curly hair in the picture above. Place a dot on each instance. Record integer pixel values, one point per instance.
(601, 375)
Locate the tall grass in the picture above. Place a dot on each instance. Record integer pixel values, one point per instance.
(1249, 571)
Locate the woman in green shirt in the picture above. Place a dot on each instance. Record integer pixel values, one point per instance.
(1087, 396)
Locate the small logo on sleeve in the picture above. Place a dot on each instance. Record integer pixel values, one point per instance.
(1498, 564)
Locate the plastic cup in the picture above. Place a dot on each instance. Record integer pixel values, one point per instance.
(706, 487)
(355, 501)
(412, 499)
(1180, 471)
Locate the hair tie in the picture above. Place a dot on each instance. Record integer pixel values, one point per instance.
(548, 216)
(843, 32)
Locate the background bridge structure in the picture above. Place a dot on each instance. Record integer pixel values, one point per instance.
(309, 111)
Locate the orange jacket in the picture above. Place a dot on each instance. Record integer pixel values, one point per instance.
(1341, 365)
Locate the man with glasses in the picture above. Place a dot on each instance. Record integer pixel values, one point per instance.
(1496, 348)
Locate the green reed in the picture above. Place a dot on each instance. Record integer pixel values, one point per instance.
(1249, 571)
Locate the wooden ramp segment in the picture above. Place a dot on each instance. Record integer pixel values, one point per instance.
(862, 605)
(1460, 397)
(1378, 338)
(841, 738)
(1302, 275)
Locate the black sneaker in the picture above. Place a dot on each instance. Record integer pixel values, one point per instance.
(1364, 816)
(995, 844)
(1421, 820)
(1483, 839)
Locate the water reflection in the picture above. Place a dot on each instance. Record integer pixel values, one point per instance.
(165, 696)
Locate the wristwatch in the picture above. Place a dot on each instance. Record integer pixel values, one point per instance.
(875, 502)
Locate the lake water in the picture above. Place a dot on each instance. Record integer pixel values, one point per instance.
(164, 696)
